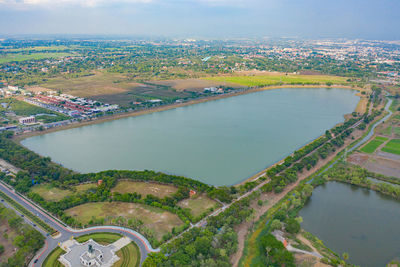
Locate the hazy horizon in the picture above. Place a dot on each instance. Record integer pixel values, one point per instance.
(352, 19)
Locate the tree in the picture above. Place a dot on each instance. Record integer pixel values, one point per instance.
(292, 226)
(345, 256)
(276, 225)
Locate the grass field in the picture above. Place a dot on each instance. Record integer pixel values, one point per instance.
(393, 146)
(372, 145)
(52, 259)
(198, 205)
(101, 238)
(129, 255)
(11, 57)
(22, 108)
(158, 190)
(51, 193)
(396, 131)
(156, 219)
(276, 79)
(84, 187)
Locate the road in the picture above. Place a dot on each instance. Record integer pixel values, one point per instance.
(68, 232)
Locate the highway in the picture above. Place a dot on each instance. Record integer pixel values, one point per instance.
(67, 232)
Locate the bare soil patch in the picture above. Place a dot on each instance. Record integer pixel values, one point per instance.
(143, 188)
(9, 248)
(156, 219)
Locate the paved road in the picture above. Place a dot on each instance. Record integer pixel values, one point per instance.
(67, 232)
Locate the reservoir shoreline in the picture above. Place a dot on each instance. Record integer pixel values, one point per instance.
(255, 175)
(20, 137)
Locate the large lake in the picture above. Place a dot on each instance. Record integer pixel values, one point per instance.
(219, 142)
(358, 221)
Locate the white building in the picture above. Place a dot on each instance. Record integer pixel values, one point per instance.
(27, 120)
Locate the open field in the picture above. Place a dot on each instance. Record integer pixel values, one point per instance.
(393, 146)
(51, 193)
(40, 48)
(279, 78)
(155, 189)
(194, 84)
(111, 88)
(372, 145)
(84, 187)
(35, 56)
(158, 220)
(22, 108)
(198, 205)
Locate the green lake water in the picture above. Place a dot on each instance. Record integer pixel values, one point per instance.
(219, 142)
(359, 221)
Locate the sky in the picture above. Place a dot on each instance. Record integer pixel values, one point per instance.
(365, 19)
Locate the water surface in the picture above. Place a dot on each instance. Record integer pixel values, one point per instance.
(219, 142)
(359, 221)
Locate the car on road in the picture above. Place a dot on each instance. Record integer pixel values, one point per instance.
(35, 261)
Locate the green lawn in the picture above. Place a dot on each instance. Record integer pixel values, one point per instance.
(198, 204)
(373, 144)
(52, 259)
(276, 79)
(393, 146)
(22, 108)
(101, 238)
(129, 256)
(12, 57)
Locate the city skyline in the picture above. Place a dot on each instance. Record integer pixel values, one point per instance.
(203, 18)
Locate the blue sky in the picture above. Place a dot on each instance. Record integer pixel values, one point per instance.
(366, 19)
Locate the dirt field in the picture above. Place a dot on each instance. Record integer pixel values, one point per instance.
(158, 190)
(97, 84)
(9, 248)
(110, 88)
(379, 162)
(158, 220)
(198, 204)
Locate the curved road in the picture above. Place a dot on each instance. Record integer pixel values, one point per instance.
(67, 232)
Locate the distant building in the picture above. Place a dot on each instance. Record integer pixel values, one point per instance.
(27, 120)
